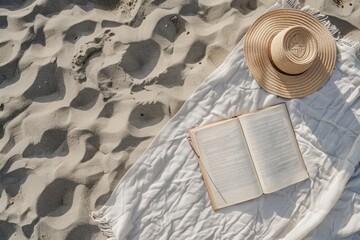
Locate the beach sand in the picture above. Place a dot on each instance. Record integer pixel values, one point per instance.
(84, 88)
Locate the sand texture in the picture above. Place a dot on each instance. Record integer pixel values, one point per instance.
(84, 88)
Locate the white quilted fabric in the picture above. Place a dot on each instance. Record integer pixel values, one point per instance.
(163, 196)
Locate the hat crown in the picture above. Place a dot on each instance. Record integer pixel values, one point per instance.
(293, 50)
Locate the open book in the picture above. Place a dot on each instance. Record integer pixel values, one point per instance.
(243, 157)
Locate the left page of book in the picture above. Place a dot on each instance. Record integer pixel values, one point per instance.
(225, 163)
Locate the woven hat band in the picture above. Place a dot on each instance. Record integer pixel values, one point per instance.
(293, 49)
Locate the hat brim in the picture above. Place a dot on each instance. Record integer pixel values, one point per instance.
(256, 51)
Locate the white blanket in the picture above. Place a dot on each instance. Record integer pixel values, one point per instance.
(163, 196)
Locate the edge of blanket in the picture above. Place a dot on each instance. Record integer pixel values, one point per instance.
(98, 216)
(104, 224)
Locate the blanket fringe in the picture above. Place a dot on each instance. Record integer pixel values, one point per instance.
(293, 3)
(103, 224)
(353, 44)
(332, 28)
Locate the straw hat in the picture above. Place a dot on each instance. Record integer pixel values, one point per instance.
(289, 52)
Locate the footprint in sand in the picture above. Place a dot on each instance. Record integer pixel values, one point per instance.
(86, 51)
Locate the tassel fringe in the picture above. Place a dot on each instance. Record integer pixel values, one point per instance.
(293, 3)
(353, 44)
(103, 224)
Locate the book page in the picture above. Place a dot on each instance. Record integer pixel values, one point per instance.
(229, 173)
(273, 147)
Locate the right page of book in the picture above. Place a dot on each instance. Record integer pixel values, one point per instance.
(273, 147)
